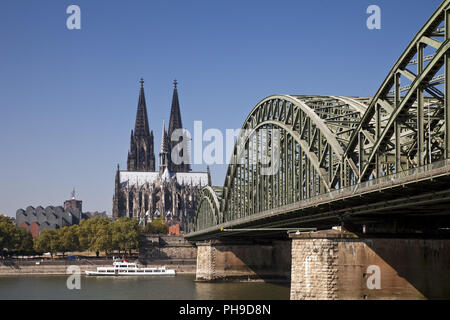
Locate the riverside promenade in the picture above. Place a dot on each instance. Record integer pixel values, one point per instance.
(59, 266)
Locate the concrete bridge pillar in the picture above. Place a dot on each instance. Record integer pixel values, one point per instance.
(231, 261)
(336, 264)
(205, 262)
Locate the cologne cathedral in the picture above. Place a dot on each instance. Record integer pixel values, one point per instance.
(170, 193)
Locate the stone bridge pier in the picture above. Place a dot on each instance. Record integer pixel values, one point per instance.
(335, 265)
(243, 260)
(339, 265)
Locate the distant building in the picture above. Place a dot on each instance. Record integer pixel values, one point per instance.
(174, 230)
(73, 203)
(170, 193)
(37, 219)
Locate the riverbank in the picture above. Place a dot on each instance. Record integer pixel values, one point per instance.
(59, 267)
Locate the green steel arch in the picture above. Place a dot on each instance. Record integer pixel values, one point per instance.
(313, 134)
(409, 112)
(208, 208)
(324, 143)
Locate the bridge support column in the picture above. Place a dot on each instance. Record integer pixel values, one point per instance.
(336, 264)
(205, 262)
(240, 261)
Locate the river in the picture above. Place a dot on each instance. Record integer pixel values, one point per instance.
(180, 287)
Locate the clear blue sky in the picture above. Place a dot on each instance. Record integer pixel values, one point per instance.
(68, 99)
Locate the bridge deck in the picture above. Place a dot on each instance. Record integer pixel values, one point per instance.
(426, 186)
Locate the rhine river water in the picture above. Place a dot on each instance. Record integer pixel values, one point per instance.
(179, 287)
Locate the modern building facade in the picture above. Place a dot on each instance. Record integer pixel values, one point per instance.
(37, 219)
(171, 192)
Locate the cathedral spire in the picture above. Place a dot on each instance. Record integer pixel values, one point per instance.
(175, 123)
(142, 127)
(141, 156)
(175, 114)
(164, 142)
(164, 153)
(209, 176)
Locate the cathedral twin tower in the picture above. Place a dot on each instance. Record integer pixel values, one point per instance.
(170, 193)
(141, 156)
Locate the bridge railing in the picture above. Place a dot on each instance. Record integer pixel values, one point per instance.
(425, 172)
(407, 176)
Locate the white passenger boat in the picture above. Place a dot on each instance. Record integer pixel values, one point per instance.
(125, 268)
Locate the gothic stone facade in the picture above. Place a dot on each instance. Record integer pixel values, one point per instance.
(170, 193)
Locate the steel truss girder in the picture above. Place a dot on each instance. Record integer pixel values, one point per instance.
(406, 113)
(207, 211)
(331, 142)
(310, 159)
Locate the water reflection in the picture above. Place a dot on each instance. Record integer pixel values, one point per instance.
(241, 291)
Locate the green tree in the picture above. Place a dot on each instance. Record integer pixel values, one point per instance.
(93, 234)
(125, 234)
(156, 227)
(6, 234)
(48, 241)
(103, 239)
(25, 245)
(68, 239)
(13, 238)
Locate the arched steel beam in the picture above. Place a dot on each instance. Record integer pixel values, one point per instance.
(264, 114)
(386, 128)
(399, 109)
(435, 64)
(319, 122)
(203, 221)
(309, 112)
(362, 109)
(256, 117)
(209, 196)
(303, 144)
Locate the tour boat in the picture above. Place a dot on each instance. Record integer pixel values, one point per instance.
(125, 268)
